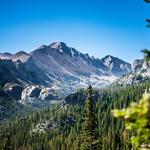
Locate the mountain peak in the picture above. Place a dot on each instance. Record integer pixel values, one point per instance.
(7, 53)
(20, 53)
(61, 47)
(110, 57)
(58, 45)
(42, 47)
(116, 65)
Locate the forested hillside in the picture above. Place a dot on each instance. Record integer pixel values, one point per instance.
(59, 127)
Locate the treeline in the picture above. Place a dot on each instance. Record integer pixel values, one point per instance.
(66, 120)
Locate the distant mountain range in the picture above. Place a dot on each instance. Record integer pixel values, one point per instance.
(59, 68)
(57, 63)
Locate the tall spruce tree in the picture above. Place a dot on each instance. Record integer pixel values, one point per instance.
(89, 133)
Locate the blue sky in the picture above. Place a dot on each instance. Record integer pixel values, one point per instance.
(97, 27)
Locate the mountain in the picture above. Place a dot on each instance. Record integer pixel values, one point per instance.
(64, 61)
(139, 75)
(59, 67)
(5, 55)
(22, 73)
(19, 56)
(140, 64)
(116, 66)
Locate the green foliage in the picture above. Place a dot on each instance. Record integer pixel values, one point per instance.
(89, 134)
(145, 51)
(146, 54)
(148, 20)
(8, 143)
(10, 108)
(64, 135)
(137, 119)
(148, 1)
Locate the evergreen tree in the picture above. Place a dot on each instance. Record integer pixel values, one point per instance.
(148, 20)
(89, 132)
(145, 51)
(17, 134)
(137, 120)
(8, 143)
(146, 54)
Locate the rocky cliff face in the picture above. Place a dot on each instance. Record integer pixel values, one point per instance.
(139, 75)
(140, 64)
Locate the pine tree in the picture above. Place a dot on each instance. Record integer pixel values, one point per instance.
(8, 143)
(146, 54)
(148, 20)
(148, 1)
(89, 132)
(137, 121)
(146, 51)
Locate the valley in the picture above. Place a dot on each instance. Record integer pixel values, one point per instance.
(42, 95)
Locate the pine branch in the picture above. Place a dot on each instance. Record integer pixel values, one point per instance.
(146, 54)
(148, 20)
(148, 1)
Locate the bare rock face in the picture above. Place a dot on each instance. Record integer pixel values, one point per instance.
(137, 64)
(30, 93)
(49, 94)
(117, 66)
(139, 75)
(132, 79)
(14, 90)
(21, 56)
(140, 64)
(61, 47)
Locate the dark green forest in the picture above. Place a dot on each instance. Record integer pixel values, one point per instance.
(66, 121)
